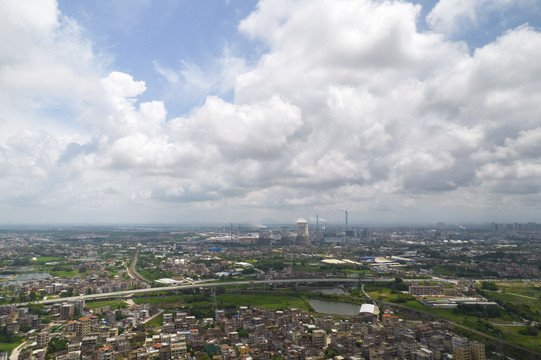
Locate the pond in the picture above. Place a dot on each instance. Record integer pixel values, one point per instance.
(21, 279)
(334, 307)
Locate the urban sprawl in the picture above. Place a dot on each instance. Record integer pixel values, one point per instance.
(298, 292)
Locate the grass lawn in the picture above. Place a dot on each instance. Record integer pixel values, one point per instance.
(268, 301)
(8, 347)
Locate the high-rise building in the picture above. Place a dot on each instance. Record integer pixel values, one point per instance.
(42, 338)
(461, 342)
(106, 353)
(477, 350)
(82, 327)
(67, 311)
(319, 338)
(461, 353)
(461, 348)
(303, 237)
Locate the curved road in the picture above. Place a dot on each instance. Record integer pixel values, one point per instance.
(132, 272)
(15, 353)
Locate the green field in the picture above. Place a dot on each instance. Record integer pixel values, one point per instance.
(171, 299)
(152, 275)
(71, 273)
(471, 321)
(520, 294)
(268, 301)
(487, 325)
(49, 259)
(156, 322)
(511, 334)
(8, 347)
(114, 304)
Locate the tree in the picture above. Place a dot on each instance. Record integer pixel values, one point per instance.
(489, 285)
(529, 330)
(56, 344)
(243, 333)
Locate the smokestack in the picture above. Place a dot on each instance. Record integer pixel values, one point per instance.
(317, 228)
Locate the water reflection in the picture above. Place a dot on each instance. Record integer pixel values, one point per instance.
(21, 279)
(334, 307)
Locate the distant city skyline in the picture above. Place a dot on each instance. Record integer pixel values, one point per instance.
(220, 111)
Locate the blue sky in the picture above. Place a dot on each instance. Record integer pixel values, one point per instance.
(143, 34)
(234, 111)
(140, 35)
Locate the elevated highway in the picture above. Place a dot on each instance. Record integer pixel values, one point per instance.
(127, 293)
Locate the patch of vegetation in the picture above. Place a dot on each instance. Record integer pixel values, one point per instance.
(8, 347)
(9, 341)
(529, 331)
(56, 344)
(114, 304)
(156, 322)
(8, 337)
(523, 306)
(154, 274)
(489, 285)
(513, 335)
(242, 333)
(402, 298)
(171, 299)
(478, 310)
(459, 271)
(264, 300)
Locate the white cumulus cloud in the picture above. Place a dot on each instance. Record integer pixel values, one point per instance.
(351, 106)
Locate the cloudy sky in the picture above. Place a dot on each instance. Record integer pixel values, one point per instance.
(172, 111)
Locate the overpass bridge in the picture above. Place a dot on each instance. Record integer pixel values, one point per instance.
(127, 293)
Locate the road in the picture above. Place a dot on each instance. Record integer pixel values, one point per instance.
(536, 354)
(124, 293)
(15, 353)
(154, 316)
(132, 272)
